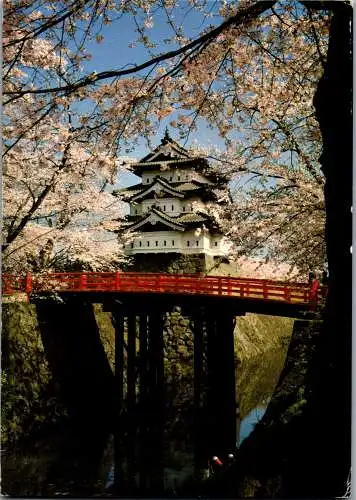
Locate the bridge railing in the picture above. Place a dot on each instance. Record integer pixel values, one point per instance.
(159, 283)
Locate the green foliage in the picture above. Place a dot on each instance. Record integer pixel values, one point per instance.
(28, 396)
(257, 377)
(269, 456)
(107, 333)
(257, 333)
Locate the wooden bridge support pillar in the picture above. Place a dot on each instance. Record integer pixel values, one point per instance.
(155, 403)
(80, 367)
(214, 386)
(118, 320)
(221, 376)
(199, 327)
(78, 361)
(131, 407)
(143, 403)
(140, 408)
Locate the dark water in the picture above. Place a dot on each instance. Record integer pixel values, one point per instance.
(61, 464)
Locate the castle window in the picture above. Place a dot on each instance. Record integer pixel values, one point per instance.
(183, 209)
(188, 243)
(156, 243)
(179, 177)
(172, 243)
(140, 243)
(216, 243)
(197, 243)
(171, 178)
(164, 208)
(172, 208)
(148, 243)
(165, 243)
(147, 181)
(131, 245)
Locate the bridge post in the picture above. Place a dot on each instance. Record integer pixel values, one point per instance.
(83, 281)
(118, 323)
(227, 393)
(28, 283)
(132, 413)
(7, 285)
(200, 431)
(117, 280)
(222, 398)
(155, 412)
(143, 402)
(151, 403)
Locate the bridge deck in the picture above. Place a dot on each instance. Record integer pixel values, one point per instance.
(219, 286)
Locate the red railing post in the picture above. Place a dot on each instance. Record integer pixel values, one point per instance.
(7, 289)
(83, 281)
(229, 286)
(160, 287)
(313, 294)
(28, 283)
(196, 286)
(265, 291)
(117, 280)
(287, 295)
(242, 290)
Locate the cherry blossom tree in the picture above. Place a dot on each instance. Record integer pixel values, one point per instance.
(251, 76)
(57, 194)
(56, 190)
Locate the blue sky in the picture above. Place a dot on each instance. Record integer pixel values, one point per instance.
(114, 53)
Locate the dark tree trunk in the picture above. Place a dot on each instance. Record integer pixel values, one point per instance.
(331, 385)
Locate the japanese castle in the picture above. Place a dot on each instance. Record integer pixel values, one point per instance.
(170, 210)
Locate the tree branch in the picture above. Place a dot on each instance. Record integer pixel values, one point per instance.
(243, 16)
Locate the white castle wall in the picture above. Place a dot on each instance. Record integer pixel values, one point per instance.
(170, 241)
(172, 206)
(174, 241)
(174, 175)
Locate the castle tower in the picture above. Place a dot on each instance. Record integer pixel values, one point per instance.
(170, 212)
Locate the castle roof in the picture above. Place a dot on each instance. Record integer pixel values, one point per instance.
(174, 189)
(157, 187)
(172, 155)
(155, 220)
(153, 217)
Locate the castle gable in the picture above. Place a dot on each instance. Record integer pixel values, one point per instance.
(158, 189)
(154, 217)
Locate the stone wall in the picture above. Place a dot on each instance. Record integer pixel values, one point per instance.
(51, 368)
(29, 396)
(171, 263)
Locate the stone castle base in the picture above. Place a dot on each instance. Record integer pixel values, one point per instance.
(171, 263)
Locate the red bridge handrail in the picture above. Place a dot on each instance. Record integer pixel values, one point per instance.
(247, 288)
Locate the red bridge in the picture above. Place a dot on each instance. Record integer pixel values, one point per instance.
(186, 284)
(132, 400)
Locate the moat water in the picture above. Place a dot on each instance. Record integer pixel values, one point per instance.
(56, 465)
